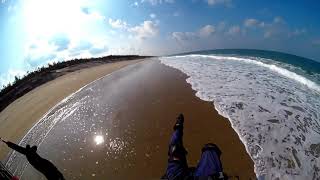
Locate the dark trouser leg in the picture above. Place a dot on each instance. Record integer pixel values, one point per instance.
(176, 148)
(176, 137)
(209, 164)
(177, 162)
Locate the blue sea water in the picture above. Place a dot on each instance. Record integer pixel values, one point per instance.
(272, 101)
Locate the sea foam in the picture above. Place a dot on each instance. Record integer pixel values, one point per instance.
(282, 71)
(273, 110)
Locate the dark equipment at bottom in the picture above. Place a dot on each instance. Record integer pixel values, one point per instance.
(208, 168)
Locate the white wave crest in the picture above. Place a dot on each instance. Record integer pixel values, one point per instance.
(310, 84)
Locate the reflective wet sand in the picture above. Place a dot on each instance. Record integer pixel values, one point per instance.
(119, 126)
(23, 113)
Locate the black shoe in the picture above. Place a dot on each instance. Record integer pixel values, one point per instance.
(179, 122)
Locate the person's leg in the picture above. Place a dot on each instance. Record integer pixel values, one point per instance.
(177, 162)
(177, 136)
(176, 148)
(210, 164)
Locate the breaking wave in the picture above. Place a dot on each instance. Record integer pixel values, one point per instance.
(282, 71)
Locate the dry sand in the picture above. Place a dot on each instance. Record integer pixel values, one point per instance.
(22, 114)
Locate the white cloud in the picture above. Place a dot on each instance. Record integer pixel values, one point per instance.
(262, 24)
(92, 14)
(42, 51)
(234, 30)
(9, 8)
(88, 48)
(136, 4)
(98, 50)
(176, 14)
(9, 77)
(227, 3)
(156, 2)
(221, 26)
(206, 31)
(183, 36)
(278, 20)
(152, 15)
(203, 32)
(145, 30)
(254, 23)
(316, 42)
(276, 29)
(38, 51)
(297, 32)
(118, 23)
(97, 16)
(251, 22)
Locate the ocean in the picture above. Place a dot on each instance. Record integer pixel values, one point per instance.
(272, 101)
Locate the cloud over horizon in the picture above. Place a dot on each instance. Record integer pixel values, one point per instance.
(145, 30)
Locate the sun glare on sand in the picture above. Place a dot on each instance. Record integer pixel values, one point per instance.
(98, 139)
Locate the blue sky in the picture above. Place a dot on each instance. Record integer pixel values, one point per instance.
(36, 32)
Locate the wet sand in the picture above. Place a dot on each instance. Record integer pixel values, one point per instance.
(23, 113)
(134, 111)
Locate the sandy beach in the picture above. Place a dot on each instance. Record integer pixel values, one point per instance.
(143, 100)
(23, 113)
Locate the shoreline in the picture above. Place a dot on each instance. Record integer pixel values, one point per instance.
(19, 117)
(217, 110)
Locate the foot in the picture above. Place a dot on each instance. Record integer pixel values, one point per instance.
(179, 122)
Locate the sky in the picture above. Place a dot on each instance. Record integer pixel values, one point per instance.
(34, 33)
